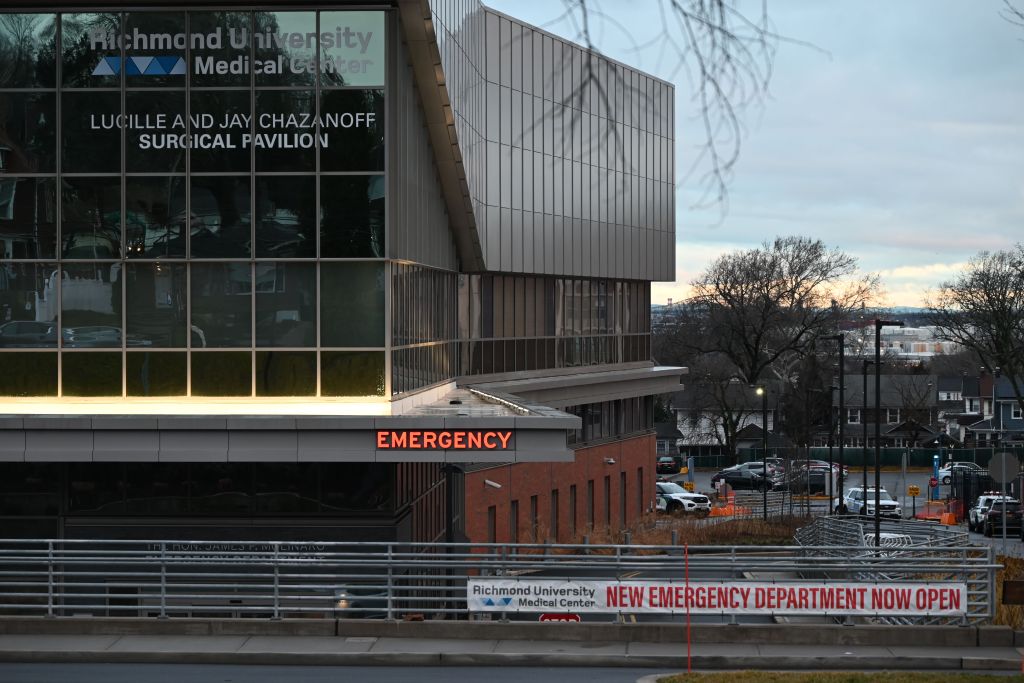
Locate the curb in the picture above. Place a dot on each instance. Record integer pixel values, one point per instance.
(705, 662)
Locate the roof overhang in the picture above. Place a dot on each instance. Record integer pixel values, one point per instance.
(586, 385)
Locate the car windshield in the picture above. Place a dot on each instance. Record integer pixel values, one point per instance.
(671, 487)
(667, 458)
(882, 495)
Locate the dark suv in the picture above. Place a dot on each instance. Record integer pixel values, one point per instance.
(994, 519)
(667, 465)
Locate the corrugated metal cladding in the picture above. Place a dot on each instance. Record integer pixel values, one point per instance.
(569, 156)
(419, 219)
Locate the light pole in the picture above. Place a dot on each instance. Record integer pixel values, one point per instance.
(762, 391)
(864, 449)
(879, 324)
(841, 338)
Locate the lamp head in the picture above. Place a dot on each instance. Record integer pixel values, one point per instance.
(759, 391)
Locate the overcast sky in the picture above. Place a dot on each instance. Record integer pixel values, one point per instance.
(904, 146)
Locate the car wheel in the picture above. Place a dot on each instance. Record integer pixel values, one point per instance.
(970, 525)
(988, 530)
(945, 480)
(675, 508)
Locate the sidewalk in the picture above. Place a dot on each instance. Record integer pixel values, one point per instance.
(391, 651)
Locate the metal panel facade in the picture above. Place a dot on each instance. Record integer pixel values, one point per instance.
(564, 148)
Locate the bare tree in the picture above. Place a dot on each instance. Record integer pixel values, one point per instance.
(1012, 13)
(982, 309)
(716, 404)
(917, 397)
(763, 308)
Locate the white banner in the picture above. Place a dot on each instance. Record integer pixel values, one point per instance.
(717, 597)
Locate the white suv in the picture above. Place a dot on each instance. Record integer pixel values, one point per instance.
(977, 515)
(678, 499)
(856, 505)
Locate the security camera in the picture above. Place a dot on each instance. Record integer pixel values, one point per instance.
(492, 484)
(609, 461)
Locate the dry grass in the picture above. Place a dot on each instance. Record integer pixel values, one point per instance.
(835, 677)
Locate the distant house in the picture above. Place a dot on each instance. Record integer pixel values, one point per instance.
(710, 416)
(668, 437)
(907, 414)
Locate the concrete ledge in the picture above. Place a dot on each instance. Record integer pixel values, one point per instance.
(187, 627)
(995, 636)
(959, 637)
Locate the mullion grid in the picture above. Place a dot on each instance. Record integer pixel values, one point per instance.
(123, 89)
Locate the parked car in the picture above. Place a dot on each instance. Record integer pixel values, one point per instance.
(748, 475)
(666, 465)
(678, 499)
(856, 503)
(977, 515)
(994, 518)
(28, 333)
(946, 472)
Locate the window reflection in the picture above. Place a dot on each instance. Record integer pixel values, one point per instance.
(352, 225)
(157, 143)
(28, 221)
(30, 489)
(90, 137)
(28, 305)
(154, 63)
(222, 304)
(27, 50)
(286, 209)
(352, 313)
(28, 128)
(282, 488)
(359, 145)
(91, 305)
(285, 373)
(352, 373)
(222, 373)
(91, 374)
(157, 488)
(156, 373)
(229, 112)
(81, 62)
(96, 488)
(220, 488)
(154, 217)
(220, 217)
(285, 304)
(29, 374)
(236, 42)
(155, 300)
(91, 224)
(356, 53)
(288, 117)
(281, 62)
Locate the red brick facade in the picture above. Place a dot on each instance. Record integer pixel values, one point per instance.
(537, 493)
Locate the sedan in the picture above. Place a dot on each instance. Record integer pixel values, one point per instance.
(946, 473)
(749, 475)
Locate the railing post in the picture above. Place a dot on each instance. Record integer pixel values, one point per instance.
(163, 580)
(675, 537)
(391, 586)
(277, 581)
(628, 538)
(49, 579)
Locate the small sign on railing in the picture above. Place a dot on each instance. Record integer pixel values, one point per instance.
(1013, 592)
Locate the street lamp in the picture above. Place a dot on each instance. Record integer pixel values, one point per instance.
(841, 338)
(879, 324)
(864, 449)
(762, 391)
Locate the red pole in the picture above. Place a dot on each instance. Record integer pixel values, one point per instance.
(686, 561)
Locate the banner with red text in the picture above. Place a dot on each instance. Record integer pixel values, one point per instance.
(718, 597)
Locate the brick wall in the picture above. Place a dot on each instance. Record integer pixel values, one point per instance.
(522, 481)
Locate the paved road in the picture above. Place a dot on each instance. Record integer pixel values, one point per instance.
(219, 673)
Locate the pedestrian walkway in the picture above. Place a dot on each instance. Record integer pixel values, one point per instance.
(392, 651)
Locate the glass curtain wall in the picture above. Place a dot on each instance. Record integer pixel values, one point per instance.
(192, 203)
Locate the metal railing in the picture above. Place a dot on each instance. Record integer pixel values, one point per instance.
(56, 578)
(852, 537)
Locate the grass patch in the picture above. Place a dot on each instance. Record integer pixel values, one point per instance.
(835, 677)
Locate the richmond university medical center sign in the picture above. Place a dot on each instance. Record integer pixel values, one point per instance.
(719, 597)
(347, 52)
